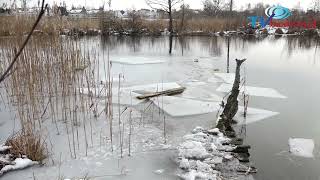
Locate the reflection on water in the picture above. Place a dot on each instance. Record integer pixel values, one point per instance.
(274, 50)
(205, 46)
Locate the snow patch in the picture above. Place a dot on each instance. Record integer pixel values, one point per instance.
(4, 148)
(19, 163)
(193, 150)
(195, 175)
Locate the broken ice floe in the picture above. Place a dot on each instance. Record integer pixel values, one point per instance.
(253, 91)
(253, 115)
(205, 154)
(176, 106)
(159, 171)
(137, 61)
(301, 147)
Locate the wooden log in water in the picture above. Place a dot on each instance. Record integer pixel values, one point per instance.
(169, 92)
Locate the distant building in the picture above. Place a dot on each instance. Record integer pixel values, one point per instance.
(121, 14)
(78, 12)
(148, 14)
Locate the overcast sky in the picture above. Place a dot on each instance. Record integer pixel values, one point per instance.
(195, 4)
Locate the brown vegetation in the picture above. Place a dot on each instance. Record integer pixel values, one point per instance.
(19, 25)
(28, 144)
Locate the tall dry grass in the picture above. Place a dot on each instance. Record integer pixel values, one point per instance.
(45, 86)
(51, 25)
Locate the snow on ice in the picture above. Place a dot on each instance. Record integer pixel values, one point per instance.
(19, 163)
(4, 148)
(203, 156)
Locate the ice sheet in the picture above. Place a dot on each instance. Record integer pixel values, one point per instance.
(195, 83)
(176, 106)
(137, 61)
(253, 91)
(301, 147)
(253, 115)
(200, 94)
(152, 87)
(226, 77)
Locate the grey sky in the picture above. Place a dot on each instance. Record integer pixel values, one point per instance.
(195, 4)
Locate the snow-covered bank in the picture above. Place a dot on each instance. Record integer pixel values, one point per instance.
(208, 154)
(9, 163)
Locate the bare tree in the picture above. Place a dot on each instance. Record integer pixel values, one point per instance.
(316, 5)
(231, 6)
(214, 7)
(24, 5)
(109, 4)
(167, 6)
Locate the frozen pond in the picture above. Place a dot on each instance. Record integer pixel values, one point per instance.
(289, 65)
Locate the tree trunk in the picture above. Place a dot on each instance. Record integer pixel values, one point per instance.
(231, 108)
(170, 18)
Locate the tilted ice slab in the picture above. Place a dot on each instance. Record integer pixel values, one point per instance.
(253, 115)
(253, 91)
(137, 61)
(301, 147)
(128, 94)
(151, 88)
(176, 106)
(126, 97)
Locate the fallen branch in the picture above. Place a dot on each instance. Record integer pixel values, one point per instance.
(170, 92)
(15, 59)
